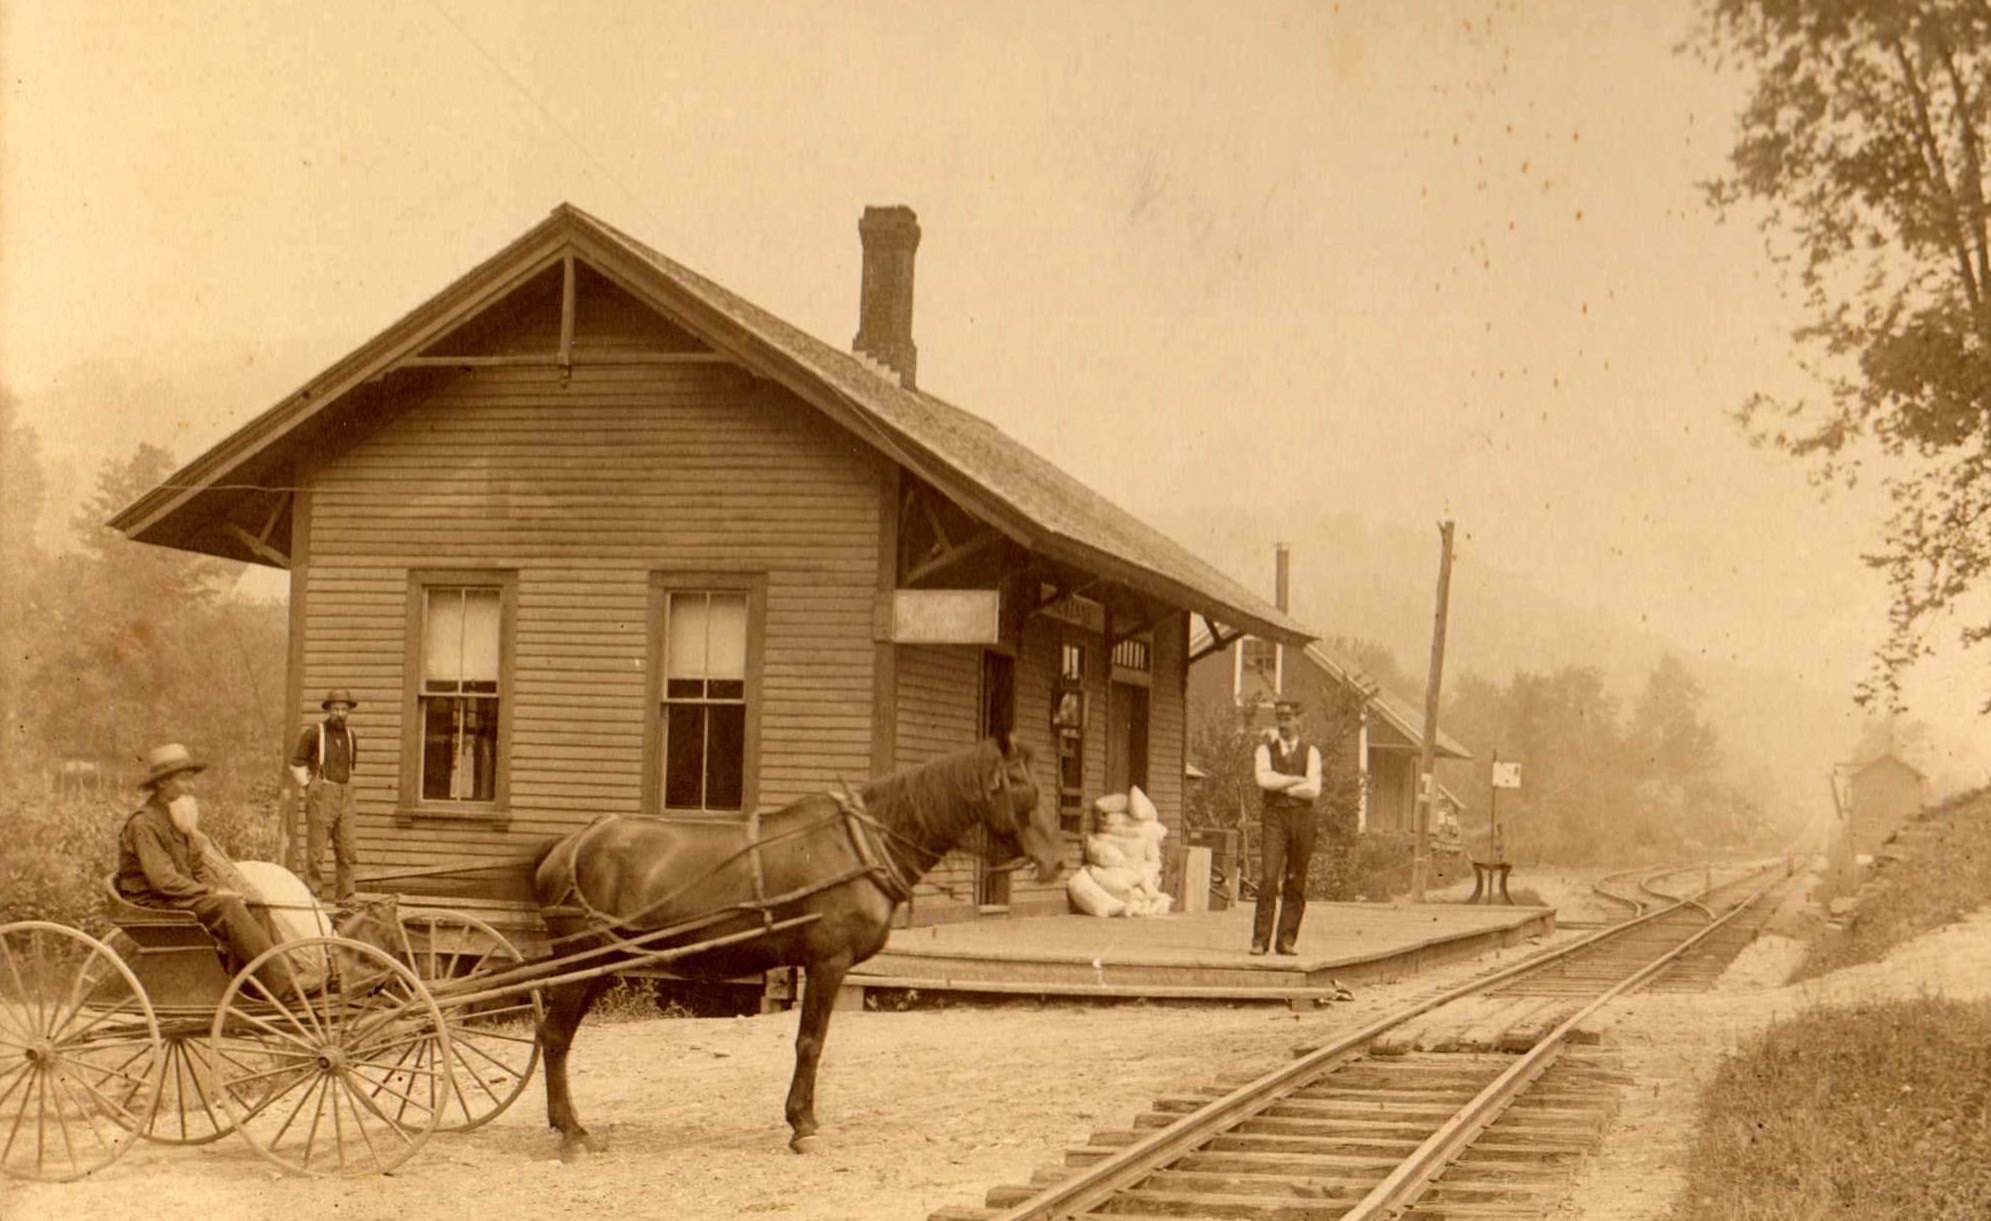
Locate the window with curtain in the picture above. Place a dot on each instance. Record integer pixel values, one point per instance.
(462, 637)
(704, 714)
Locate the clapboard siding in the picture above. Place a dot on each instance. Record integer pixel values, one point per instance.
(939, 711)
(1168, 720)
(583, 491)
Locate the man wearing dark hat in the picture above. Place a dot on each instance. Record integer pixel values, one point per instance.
(1288, 772)
(162, 858)
(323, 766)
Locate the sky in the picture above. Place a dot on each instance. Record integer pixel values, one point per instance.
(1440, 260)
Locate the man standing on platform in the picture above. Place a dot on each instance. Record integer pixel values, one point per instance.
(323, 765)
(1288, 772)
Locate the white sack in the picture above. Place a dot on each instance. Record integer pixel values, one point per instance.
(1116, 882)
(294, 911)
(1088, 897)
(1107, 851)
(1140, 806)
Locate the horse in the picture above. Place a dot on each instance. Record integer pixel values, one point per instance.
(813, 884)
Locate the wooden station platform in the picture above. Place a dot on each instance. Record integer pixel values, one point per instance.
(1191, 957)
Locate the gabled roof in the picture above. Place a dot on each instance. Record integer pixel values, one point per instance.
(988, 473)
(1394, 711)
(1886, 756)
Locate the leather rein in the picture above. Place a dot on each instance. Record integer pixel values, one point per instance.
(877, 846)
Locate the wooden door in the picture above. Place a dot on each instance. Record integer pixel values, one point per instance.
(1127, 751)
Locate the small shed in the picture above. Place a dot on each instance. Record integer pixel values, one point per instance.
(1880, 795)
(587, 533)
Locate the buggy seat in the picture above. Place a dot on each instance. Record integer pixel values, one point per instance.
(153, 927)
(178, 964)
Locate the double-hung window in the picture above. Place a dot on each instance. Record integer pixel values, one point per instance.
(707, 633)
(459, 630)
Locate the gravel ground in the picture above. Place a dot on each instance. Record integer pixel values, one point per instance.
(1672, 1045)
(920, 1110)
(927, 1109)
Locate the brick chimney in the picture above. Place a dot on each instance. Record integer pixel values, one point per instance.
(1282, 578)
(885, 303)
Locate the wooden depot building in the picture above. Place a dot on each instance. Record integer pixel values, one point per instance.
(588, 534)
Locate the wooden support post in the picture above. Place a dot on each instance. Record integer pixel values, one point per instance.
(885, 654)
(1427, 784)
(566, 356)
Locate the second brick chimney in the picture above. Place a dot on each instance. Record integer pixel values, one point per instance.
(885, 301)
(1282, 577)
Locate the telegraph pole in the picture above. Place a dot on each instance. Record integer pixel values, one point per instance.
(1427, 784)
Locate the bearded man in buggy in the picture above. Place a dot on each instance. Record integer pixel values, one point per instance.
(164, 861)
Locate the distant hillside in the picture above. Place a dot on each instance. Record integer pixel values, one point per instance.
(1377, 582)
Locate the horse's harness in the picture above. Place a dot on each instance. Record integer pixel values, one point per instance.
(869, 839)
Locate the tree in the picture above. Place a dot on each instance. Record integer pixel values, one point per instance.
(23, 490)
(1863, 141)
(1223, 738)
(1669, 741)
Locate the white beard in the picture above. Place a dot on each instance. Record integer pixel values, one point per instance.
(185, 813)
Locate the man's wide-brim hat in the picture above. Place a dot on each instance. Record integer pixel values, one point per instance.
(1286, 706)
(339, 696)
(168, 760)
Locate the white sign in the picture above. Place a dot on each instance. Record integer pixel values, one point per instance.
(946, 616)
(1507, 775)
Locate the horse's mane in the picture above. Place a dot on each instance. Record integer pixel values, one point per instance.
(919, 803)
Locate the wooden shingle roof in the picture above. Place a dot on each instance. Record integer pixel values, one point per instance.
(989, 473)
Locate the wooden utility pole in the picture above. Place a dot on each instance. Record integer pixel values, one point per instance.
(1427, 784)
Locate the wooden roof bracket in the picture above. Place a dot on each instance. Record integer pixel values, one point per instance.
(1218, 640)
(259, 542)
(1149, 618)
(954, 554)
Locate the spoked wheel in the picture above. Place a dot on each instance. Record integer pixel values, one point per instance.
(494, 1042)
(349, 1071)
(79, 1053)
(190, 1110)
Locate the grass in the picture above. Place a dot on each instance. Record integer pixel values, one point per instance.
(1945, 877)
(1881, 1110)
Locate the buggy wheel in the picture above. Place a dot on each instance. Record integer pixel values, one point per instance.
(79, 1053)
(190, 1110)
(493, 1044)
(349, 1071)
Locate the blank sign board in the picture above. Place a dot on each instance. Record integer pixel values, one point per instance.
(946, 616)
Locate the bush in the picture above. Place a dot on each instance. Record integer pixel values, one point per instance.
(57, 850)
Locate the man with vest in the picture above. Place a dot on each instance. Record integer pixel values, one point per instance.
(323, 766)
(1287, 769)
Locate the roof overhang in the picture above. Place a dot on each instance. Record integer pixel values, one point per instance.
(221, 502)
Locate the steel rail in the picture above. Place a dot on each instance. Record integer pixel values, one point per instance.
(1144, 1157)
(1416, 1171)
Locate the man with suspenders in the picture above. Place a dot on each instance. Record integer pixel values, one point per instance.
(323, 765)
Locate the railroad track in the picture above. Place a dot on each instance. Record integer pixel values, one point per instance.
(1475, 1102)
